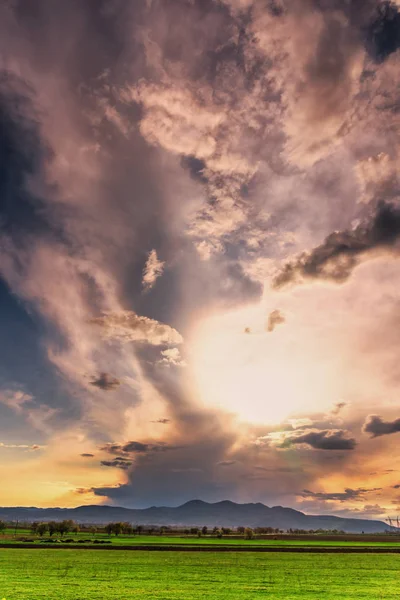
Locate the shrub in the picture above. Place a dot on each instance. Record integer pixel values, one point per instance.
(248, 533)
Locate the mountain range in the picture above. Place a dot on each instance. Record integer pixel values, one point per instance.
(197, 513)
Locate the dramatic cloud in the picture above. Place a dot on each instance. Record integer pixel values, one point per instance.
(130, 327)
(136, 448)
(106, 382)
(160, 162)
(341, 252)
(327, 439)
(377, 427)
(120, 463)
(153, 269)
(275, 318)
(384, 31)
(348, 494)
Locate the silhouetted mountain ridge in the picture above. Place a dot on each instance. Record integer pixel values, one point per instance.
(197, 513)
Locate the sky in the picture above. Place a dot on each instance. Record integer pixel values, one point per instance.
(199, 253)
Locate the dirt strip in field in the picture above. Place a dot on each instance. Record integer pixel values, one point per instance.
(165, 548)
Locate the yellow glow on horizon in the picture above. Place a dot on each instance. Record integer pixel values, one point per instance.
(261, 376)
(52, 477)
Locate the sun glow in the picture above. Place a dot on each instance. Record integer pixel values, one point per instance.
(261, 376)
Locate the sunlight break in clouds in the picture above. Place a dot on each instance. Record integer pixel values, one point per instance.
(199, 252)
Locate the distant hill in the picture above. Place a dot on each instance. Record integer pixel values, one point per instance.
(197, 513)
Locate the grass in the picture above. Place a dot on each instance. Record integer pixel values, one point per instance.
(227, 541)
(156, 540)
(109, 575)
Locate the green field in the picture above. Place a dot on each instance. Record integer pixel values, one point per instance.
(157, 540)
(122, 575)
(147, 540)
(177, 540)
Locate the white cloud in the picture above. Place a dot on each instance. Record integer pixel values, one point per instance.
(127, 326)
(32, 447)
(15, 399)
(153, 269)
(172, 356)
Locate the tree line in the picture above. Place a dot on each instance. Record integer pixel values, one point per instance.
(68, 526)
(61, 528)
(54, 527)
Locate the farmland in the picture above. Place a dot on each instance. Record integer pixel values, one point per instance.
(84, 539)
(175, 541)
(115, 575)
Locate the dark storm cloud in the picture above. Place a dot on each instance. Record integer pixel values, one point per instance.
(22, 156)
(383, 35)
(208, 459)
(199, 440)
(275, 318)
(348, 494)
(336, 258)
(106, 382)
(49, 87)
(328, 439)
(119, 463)
(377, 427)
(195, 167)
(136, 448)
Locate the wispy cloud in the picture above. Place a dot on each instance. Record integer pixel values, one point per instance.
(153, 269)
(346, 495)
(32, 447)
